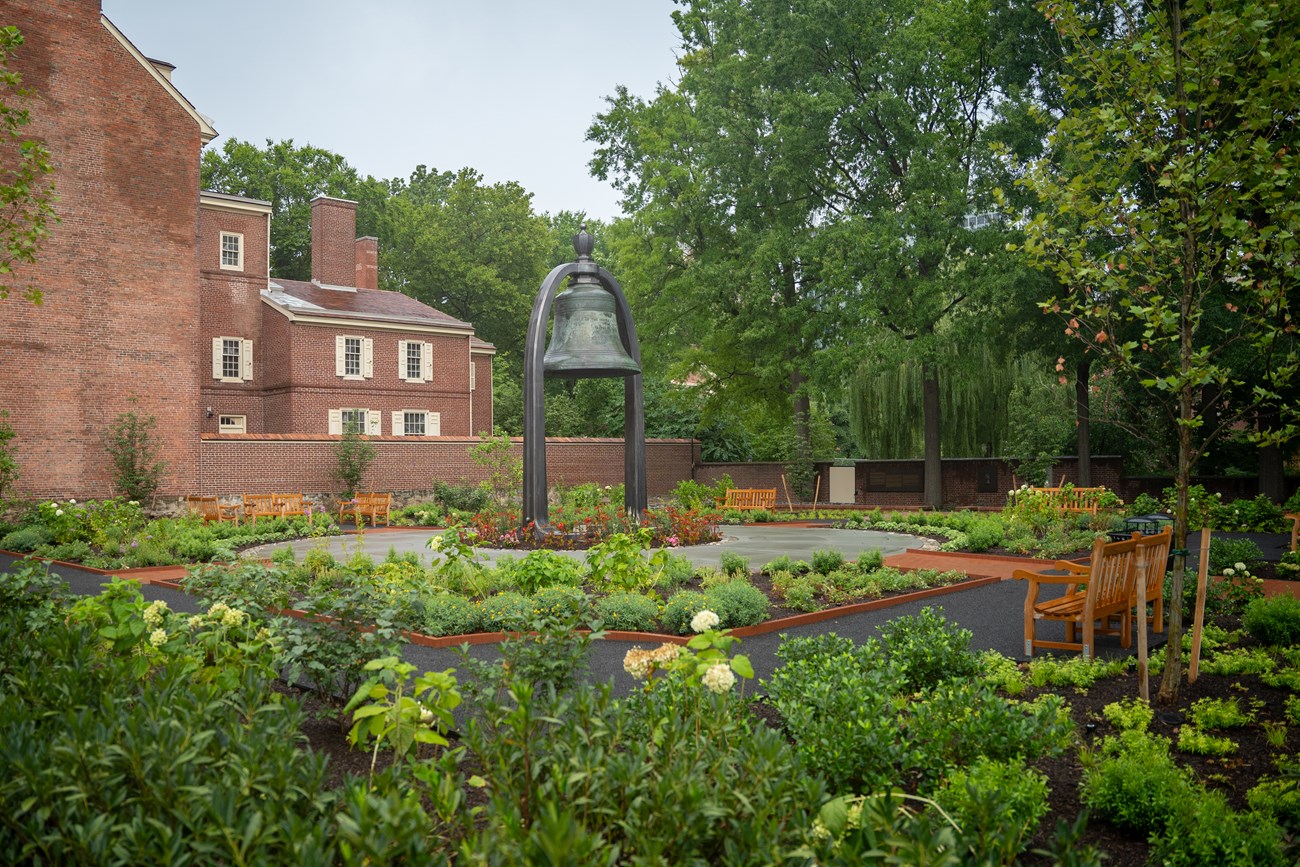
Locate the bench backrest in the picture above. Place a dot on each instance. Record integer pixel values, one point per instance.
(259, 504)
(1073, 499)
(1111, 572)
(205, 507)
(750, 498)
(1153, 555)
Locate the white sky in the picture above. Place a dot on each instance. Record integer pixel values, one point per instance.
(507, 87)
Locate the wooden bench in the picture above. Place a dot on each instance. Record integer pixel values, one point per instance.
(1295, 530)
(212, 509)
(274, 506)
(370, 507)
(1081, 500)
(1109, 589)
(745, 499)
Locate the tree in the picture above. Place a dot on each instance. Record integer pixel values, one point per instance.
(809, 181)
(1170, 218)
(26, 194)
(473, 250)
(289, 177)
(132, 446)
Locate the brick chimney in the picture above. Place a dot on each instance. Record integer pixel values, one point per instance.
(333, 241)
(367, 263)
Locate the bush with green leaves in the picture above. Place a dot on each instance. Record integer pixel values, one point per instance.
(540, 569)
(676, 571)
(680, 608)
(1129, 714)
(997, 805)
(691, 494)
(737, 603)
(1136, 785)
(826, 560)
(629, 611)
(1279, 799)
(462, 498)
(1257, 515)
(733, 564)
(1274, 620)
(1193, 740)
(133, 453)
(1202, 829)
(796, 591)
(884, 828)
(448, 614)
(870, 560)
(504, 612)
(564, 766)
(1233, 554)
(928, 649)
(561, 601)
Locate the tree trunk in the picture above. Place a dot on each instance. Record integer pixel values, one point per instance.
(1083, 419)
(1271, 465)
(802, 409)
(933, 496)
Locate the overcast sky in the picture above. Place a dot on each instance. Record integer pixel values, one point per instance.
(507, 87)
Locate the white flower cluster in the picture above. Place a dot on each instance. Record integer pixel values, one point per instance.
(154, 614)
(225, 615)
(704, 621)
(641, 663)
(718, 678)
(158, 637)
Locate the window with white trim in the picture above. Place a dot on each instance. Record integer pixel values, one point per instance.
(232, 424)
(354, 357)
(352, 419)
(232, 359)
(232, 251)
(416, 423)
(414, 361)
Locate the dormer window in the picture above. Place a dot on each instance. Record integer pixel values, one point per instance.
(232, 251)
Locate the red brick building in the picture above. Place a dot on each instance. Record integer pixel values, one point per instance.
(158, 297)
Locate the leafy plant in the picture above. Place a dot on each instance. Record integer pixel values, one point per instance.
(1219, 713)
(628, 610)
(737, 603)
(399, 718)
(825, 561)
(133, 448)
(928, 649)
(1192, 740)
(353, 455)
(1274, 620)
(997, 806)
(8, 459)
(1138, 788)
(680, 609)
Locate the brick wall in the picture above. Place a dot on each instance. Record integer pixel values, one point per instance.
(120, 265)
(481, 397)
(333, 241)
(253, 463)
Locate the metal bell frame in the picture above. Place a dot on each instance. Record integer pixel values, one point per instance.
(536, 509)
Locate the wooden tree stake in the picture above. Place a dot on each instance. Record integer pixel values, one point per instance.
(1144, 683)
(1198, 622)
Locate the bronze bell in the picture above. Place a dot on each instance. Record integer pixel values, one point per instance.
(584, 336)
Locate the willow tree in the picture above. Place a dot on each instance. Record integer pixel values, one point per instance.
(1172, 213)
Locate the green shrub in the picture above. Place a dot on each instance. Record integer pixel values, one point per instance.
(74, 552)
(677, 570)
(504, 612)
(541, 569)
(997, 805)
(133, 451)
(560, 601)
(826, 560)
(1139, 788)
(1227, 553)
(796, 591)
(693, 495)
(633, 612)
(27, 538)
(778, 564)
(1279, 799)
(737, 603)
(1129, 714)
(449, 614)
(928, 649)
(1219, 713)
(1192, 740)
(1274, 620)
(869, 561)
(1257, 515)
(462, 498)
(1203, 830)
(983, 535)
(680, 608)
(734, 564)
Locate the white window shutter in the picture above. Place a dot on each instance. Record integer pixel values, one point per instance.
(336, 421)
(216, 357)
(433, 424)
(472, 370)
(368, 357)
(246, 359)
(375, 422)
(426, 361)
(340, 351)
(401, 361)
(399, 425)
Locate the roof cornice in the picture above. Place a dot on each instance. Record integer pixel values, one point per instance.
(332, 319)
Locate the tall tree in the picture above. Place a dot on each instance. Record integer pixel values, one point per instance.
(289, 177)
(473, 250)
(1174, 212)
(26, 193)
(812, 174)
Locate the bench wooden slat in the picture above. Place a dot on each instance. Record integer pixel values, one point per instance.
(745, 499)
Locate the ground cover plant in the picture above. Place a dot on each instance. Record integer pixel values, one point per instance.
(117, 534)
(911, 749)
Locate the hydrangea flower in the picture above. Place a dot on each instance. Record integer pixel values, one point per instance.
(153, 615)
(718, 678)
(158, 637)
(704, 621)
(641, 663)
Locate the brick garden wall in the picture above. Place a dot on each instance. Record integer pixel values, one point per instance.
(251, 463)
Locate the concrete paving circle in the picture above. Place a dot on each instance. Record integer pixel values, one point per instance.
(758, 543)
